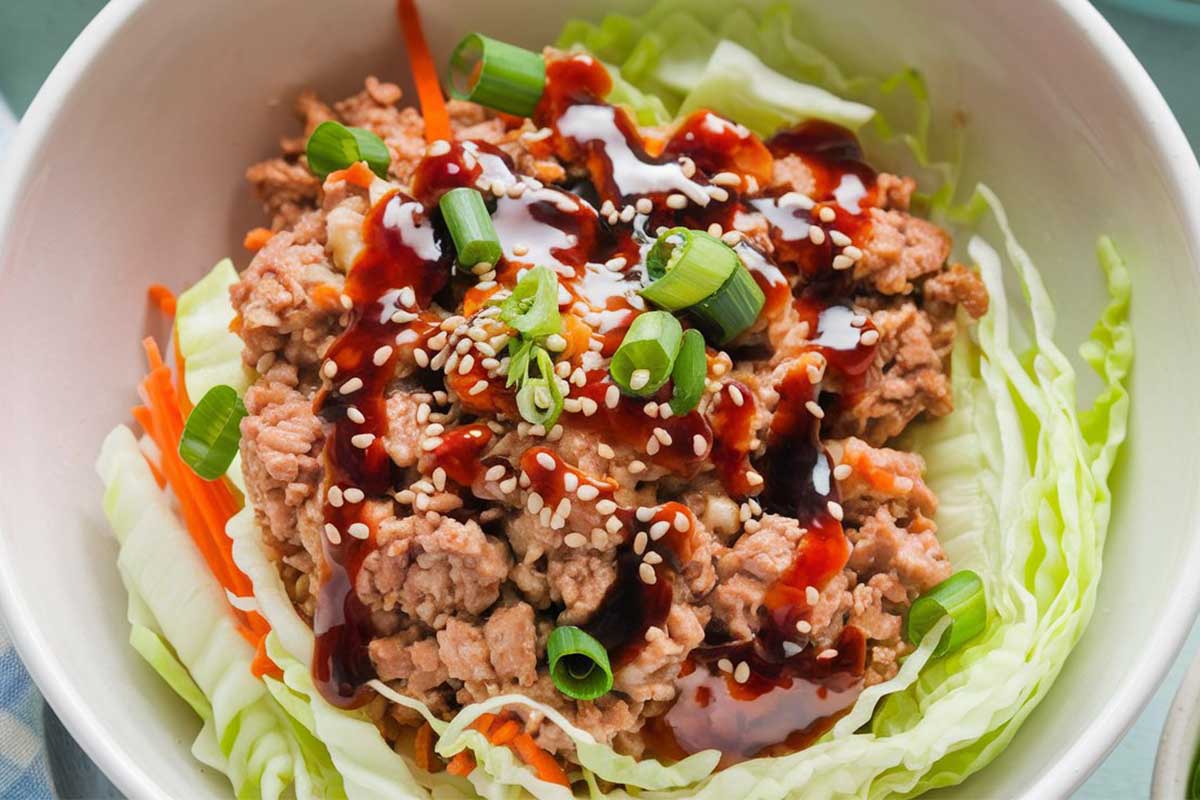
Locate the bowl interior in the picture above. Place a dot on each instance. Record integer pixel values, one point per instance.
(130, 169)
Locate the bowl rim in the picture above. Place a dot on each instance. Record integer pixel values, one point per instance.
(1071, 770)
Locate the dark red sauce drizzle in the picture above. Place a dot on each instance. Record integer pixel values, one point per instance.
(792, 695)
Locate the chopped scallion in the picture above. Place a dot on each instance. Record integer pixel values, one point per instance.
(532, 308)
(333, 146)
(471, 228)
(212, 433)
(687, 266)
(579, 664)
(689, 373)
(731, 309)
(643, 362)
(540, 400)
(497, 75)
(961, 597)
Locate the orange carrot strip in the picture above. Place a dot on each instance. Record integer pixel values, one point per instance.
(463, 764)
(262, 663)
(577, 334)
(162, 297)
(425, 73)
(483, 724)
(543, 764)
(423, 751)
(256, 238)
(505, 732)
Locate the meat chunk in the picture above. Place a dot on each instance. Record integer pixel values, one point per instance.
(956, 286)
(580, 580)
(898, 249)
(912, 553)
(881, 477)
(276, 299)
(403, 439)
(745, 572)
(432, 568)
(286, 189)
(417, 663)
(651, 674)
(512, 644)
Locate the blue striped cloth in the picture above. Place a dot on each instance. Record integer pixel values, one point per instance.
(24, 766)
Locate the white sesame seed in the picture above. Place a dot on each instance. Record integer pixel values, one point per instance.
(644, 205)
(534, 502)
(354, 495)
(726, 179)
(816, 234)
(795, 200)
(436, 429)
(520, 249)
(332, 533)
(439, 148)
(653, 558)
(825, 655)
(699, 445)
(645, 513)
(676, 201)
(662, 435)
(627, 213)
(815, 409)
(478, 387)
(664, 411)
(616, 264)
(406, 497)
(431, 444)
(636, 467)
(639, 379)
(839, 238)
(408, 298)
(439, 479)
(588, 492)
(646, 573)
(715, 230)
(858, 320)
(682, 523)
(639, 542)
(659, 529)
(735, 394)
(422, 502)
(355, 415)
(351, 386)
(742, 673)
(329, 369)
(612, 525)
(546, 461)
(524, 480)
(589, 406)
(752, 525)
(753, 478)
(423, 487)
(509, 485)
(842, 471)
(466, 364)
(437, 342)
(835, 510)
(575, 540)
(515, 190)
(841, 262)
(605, 451)
(650, 409)
(605, 506)
(362, 440)
(811, 595)
(382, 355)
(869, 337)
(652, 446)
(687, 166)
(725, 665)
(555, 343)
(423, 412)
(607, 208)
(494, 473)
(334, 496)
(570, 481)
(803, 626)
(359, 530)
(731, 237)
(827, 214)
(815, 373)
(564, 508)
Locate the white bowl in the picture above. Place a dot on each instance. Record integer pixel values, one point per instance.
(128, 170)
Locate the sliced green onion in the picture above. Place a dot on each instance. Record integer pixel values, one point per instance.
(333, 146)
(689, 373)
(471, 228)
(540, 400)
(687, 266)
(578, 664)
(960, 597)
(497, 74)
(520, 354)
(212, 432)
(532, 308)
(643, 362)
(731, 309)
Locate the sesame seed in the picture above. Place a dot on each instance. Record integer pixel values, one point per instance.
(451, 363)
(742, 673)
(639, 542)
(652, 446)
(575, 540)
(627, 213)
(612, 525)
(439, 479)
(725, 665)
(534, 502)
(795, 200)
(607, 207)
(564, 508)
(435, 429)
(439, 148)
(478, 387)
(616, 264)
(334, 495)
(408, 298)
(682, 523)
(650, 409)
(431, 444)
(869, 337)
(555, 343)
(606, 506)
(354, 495)
(466, 364)
(825, 655)
(639, 379)
(546, 461)
(494, 473)
(815, 373)
(423, 412)
(589, 406)
(659, 529)
(753, 478)
(643, 205)
(662, 435)
(735, 394)
(329, 369)
(731, 237)
(508, 485)
(803, 626)
(605, 451)
(726, 179)
(355, 415)
(839, 238)
(816, 234)
(362, 440)
(524, 480)
(842, 471)
(636, 466)
(423, 486)
(853, 252)
(687, 166)
(715, 230)
(515, 190)
(815, 409)
(835, 510)
(351, 386)
(645, 513)
(572, 405)
(752, 525)
(359, 530)
(653, 558)
(520, 249)
(422, 502)
(570, 481)
(676, 201)
(717, 193)
(646, 573)
(827, 214)
(587, 492)
(332, 533)
(664, 411)
(841, 262)
(699, 445)
(437, 342)
(406, 496)
(382, 355)
(858, 320)
(811, 595)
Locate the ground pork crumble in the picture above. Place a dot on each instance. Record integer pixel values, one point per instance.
(466, 577)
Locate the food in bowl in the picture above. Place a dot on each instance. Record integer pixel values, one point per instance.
(619, 427)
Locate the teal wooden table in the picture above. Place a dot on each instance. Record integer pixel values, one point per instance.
(34, 33)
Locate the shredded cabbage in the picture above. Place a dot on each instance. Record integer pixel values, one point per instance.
(1022, 477)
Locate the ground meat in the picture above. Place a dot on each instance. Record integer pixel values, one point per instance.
(745, 571)
(403, 439)
(911, 553)
(279, 315)
(898, 249)
(651, 674)
(956, 286)
(512, 644)
(286, 189)
(580, 581)
(881, 477)
(433, 567)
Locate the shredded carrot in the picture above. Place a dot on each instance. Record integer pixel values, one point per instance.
(476, 298)
(262, 663)
(463, 764)
(205, 505)
(162, 297)
(483, 724)
(505, 732)
(424, 753)
(425, 73)
(357, 174)
(577, 334)
(543, 764)
(327, 297)
(256, 239)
